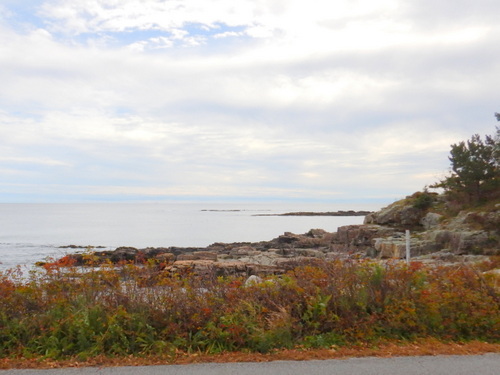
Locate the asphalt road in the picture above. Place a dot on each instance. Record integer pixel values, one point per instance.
(488, 364)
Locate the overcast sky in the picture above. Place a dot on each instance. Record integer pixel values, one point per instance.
(326, 100)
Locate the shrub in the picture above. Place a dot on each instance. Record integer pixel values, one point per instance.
(423, 200)
(136, 310)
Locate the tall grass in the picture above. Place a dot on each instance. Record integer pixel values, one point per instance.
(63, 311)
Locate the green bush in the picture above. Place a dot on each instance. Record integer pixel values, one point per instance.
(65, 312)
(423, 200)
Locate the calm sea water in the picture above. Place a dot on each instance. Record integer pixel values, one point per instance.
(33, 232)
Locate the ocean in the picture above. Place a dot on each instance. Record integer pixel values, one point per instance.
(35, 232)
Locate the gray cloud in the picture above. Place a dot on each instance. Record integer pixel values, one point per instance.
(358, 103)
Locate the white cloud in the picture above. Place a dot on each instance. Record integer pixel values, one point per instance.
(298, 23)
(242, 98)
(27, 160)
(105, 15)
(228, 34)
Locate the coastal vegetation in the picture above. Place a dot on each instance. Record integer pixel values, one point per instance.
(64, 311)
(475, 169)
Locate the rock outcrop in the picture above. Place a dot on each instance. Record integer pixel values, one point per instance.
(474, 231)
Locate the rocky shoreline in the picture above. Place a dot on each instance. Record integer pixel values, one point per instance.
(334, 213)
(434, 238)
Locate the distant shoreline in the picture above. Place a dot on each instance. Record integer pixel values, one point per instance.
(334, 213)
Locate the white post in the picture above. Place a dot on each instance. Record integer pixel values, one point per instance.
(407, 246)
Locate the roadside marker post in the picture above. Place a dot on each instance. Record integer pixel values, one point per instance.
(407, 246)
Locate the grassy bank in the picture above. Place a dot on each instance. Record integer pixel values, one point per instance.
(135, 310)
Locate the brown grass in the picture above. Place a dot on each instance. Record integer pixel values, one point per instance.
(423, 347)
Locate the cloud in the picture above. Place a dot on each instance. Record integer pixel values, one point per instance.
(241, 99)
(25, 160)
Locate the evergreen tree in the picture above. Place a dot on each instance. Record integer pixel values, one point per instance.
(496, 151)
(474, 168)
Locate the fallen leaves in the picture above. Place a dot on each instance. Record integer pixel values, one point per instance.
(424, 347)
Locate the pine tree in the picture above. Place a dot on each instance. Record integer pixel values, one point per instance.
(474, 168)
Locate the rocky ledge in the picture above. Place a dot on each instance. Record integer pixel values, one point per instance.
(329, 213)
(240, 258)
(467, 236)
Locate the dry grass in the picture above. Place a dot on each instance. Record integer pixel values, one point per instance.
(423, 347)
(133, 316)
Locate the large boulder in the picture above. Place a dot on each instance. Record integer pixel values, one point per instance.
(124, 254)
(431, 220)
(264, 258)
(397, 215)
(315, 238)
(387, 248)
(359, 237)
(395, 247)
(460, 241)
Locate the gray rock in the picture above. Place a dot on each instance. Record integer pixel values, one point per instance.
(243, 251)
(124, 254)
(261, 258)
(252, 280)
(431, 220)
(390, 247)
(362, 235)
(397, 215)
(165, 257)
(317, 233)
(184, 257)
(312, 253)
